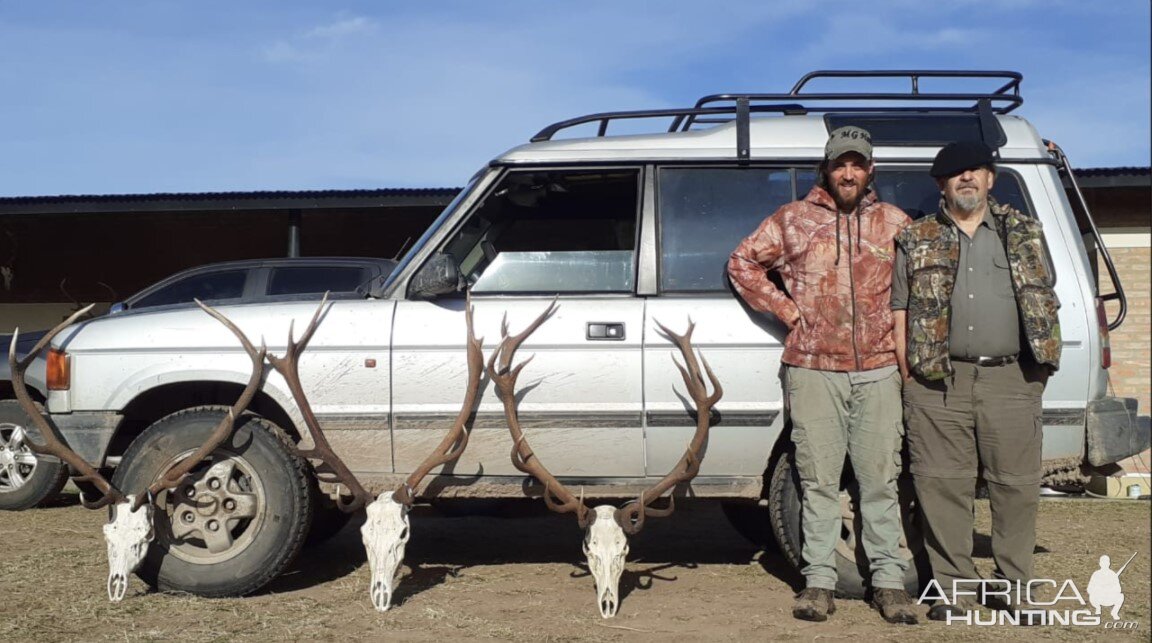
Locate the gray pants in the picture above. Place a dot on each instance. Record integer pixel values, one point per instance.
(833, 415)
(984, 419)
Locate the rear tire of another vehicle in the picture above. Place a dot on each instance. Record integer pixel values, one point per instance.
(240, 518)
(26, 479)
(327, 519)
(784, 503)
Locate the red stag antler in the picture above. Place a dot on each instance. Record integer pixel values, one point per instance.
(500, 370)
(330, 464)
(454, 442)
(631, 516)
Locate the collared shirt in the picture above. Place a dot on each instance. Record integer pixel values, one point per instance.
(985, 320)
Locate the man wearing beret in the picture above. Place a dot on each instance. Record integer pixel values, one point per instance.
(833, 251)
(977, 336)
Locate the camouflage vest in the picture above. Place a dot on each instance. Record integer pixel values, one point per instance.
(932, 251)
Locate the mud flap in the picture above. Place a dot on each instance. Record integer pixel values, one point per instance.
(1113, 432)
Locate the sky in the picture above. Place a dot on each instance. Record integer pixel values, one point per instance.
(146, 96)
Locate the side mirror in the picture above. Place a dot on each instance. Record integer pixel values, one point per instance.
(117, 307)
(438, 276)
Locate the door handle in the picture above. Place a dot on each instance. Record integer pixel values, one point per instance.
(605, 331)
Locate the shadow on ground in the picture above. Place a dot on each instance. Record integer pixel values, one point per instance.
(525, 532)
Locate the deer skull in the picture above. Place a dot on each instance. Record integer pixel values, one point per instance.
(385, 534)
(605, 545)
(128, 534)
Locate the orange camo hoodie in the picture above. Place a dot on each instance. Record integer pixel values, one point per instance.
(837, 272)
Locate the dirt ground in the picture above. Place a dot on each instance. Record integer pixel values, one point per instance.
(690, 576)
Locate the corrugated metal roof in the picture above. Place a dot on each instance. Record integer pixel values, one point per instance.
(1093, 177)
(280, 199)
(1113, 171)
(1113, 177)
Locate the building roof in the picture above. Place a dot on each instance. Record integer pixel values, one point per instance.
(259, 200)
(1093, 177)
(1113, 177)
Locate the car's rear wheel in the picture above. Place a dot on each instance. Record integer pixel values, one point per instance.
(240, 517)
(785, 503)
(25, 478)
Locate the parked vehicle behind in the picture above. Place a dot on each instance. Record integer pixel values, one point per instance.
(25, 481)
(625, 230)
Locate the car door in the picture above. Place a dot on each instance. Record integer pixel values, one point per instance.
(704, 212)
(564, 234)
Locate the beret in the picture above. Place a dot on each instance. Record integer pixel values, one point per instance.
(958, 156)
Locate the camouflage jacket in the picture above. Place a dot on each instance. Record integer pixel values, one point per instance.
(932, 249)
(837, 271)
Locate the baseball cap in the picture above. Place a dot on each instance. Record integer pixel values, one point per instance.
(848, 139)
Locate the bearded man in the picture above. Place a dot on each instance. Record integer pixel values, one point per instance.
(833, 251)
(978, 336)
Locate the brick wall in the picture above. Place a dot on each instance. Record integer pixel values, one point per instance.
(1131, 371)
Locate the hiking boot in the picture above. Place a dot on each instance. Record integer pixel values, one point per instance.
(895, 606)
(959, 608)
(940, 612)
(814, 604)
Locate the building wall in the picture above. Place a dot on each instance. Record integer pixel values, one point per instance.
(55, 262)
(1131, 371)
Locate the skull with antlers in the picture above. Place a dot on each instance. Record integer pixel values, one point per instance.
(129, 529)
(385, 532)
(606, 528)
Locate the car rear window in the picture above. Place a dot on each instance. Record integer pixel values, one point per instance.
(227, 284)
(299, 280)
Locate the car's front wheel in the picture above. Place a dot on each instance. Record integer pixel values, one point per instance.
(25, 479)
(237, 521)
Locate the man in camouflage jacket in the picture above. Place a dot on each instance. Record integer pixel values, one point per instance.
(977, 334)
(833, 251)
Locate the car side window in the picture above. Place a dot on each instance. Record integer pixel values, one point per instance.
(300, 280)
(916, 193)
(552, 231)
(226, 284)
(705, 213)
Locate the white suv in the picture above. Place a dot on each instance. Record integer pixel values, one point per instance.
(625, 230)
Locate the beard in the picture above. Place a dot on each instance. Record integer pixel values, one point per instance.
(966, 202)
(847, 204)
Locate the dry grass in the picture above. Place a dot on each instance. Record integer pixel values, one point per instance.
(690, 576)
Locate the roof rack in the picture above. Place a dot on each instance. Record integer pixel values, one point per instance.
(722, 108)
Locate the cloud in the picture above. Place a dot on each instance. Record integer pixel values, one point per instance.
(341, 28)
(318, 42)
(282, 52)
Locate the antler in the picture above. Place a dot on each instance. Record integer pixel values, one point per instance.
(631, 516)
(503, 375)
(52, 444)
(174, 476)
(289, 367)
(456, 440)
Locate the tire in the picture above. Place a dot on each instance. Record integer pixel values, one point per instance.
(784, 503)
(238, 535)
(26, 479)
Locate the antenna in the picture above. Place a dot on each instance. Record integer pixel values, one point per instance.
(403, 246)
